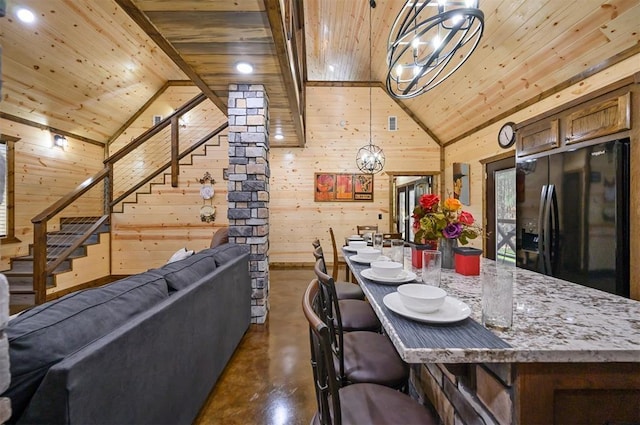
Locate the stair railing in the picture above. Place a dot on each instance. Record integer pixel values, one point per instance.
(95, 196)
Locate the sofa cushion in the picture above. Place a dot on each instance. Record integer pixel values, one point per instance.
(225, 253)
(183, 273)
(46, 334)
(220, 237)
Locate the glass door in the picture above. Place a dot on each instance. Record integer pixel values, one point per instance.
(500, 209)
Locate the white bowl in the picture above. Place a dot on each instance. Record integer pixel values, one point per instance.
(386, 268)
(357, 244)
(421, 298)
(368, 253)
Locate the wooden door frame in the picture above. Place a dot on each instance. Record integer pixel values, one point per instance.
(489, 248)
(392, 188)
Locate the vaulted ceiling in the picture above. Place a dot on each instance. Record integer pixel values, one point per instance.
(87, 66)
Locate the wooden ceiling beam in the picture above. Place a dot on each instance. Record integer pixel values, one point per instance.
(143, 22)
(285, 59)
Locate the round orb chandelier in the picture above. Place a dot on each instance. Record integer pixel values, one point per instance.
(429, 41)
(370, 159)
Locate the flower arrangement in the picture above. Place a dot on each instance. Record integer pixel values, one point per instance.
(433, 221)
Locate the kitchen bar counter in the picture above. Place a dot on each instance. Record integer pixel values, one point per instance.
(553, 321)
(572, 355)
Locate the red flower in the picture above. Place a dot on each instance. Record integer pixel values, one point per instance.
(466, 218)
(429, 201)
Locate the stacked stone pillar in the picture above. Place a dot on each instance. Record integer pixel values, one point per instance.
(248, 186)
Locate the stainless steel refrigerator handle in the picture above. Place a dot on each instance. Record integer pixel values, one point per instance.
(554, 245)
(541, 226)
(547, 229)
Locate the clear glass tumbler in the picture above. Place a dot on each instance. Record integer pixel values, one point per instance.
(431, 267)
(397, 250)
(497, 295)
(378, 241)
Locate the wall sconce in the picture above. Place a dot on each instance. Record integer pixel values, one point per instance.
(59, 141)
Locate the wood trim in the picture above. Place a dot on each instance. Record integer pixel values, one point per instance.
(148, 103)
(11, 186)
(547, 93)
(274, 14)
(30, 123)
(175, 147)
(143, 22)
(498, 157)
(156, 129)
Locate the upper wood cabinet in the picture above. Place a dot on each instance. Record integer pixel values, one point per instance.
(601, 119)
(538, 137)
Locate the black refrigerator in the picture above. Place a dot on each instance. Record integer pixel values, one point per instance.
(572, 215)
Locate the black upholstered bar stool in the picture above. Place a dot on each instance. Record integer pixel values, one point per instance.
(356, 315)
(361, 403)
(344, 290)
(360, 356)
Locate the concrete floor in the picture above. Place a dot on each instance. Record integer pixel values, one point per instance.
(269, 380)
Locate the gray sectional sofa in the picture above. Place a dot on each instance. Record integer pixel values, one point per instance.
(146, 349)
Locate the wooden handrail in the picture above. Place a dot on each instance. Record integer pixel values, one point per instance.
(41, 270)
(65, 254)
(65, 201)
(155, 129)
(166, 165)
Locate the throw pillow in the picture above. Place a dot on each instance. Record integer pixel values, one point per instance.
(180, 254)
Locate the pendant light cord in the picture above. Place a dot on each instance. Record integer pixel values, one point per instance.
(372, 4)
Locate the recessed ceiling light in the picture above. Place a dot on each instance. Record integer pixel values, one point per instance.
(278, 137)
(244, 68)
(25, 15)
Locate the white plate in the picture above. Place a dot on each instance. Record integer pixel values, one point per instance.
(350, 249)
(360, 260)
(453, 310)
(404, 277)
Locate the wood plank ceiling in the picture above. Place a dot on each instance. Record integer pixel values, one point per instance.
(87, 66)
(528, 48)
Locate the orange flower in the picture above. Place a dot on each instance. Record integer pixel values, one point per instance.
(452, 204)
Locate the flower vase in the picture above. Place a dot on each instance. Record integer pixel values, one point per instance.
(416, 252)
(445, 246)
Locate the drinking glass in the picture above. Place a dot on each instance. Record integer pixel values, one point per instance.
(397, 250)
(431, 267)
(497, 295)
(378, 240)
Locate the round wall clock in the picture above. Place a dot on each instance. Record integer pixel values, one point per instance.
(507, 135)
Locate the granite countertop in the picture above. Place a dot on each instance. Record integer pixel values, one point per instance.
(553, 321)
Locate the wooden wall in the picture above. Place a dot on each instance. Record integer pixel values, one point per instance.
(43, 174)
(147, 233)
(337, 126)
(483, 145)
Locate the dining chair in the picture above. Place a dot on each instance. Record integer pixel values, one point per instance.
(360, 403)
(367, 229)
(338, 259)
(357, 315)
(344, 290)
(359, 356)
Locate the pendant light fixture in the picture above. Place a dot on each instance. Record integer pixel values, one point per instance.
(370, 158)
(429, 41)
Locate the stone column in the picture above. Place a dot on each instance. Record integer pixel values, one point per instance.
(248, 186)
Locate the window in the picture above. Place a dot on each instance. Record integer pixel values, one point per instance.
(7, 211)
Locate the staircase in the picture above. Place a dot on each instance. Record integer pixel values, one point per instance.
(20, 275)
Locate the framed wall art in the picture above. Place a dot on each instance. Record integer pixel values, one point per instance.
(342, 187)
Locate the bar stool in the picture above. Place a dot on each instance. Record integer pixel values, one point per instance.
(344, 290)
(359, 356)
(338, 260)
(356, 315)
(362, 403)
